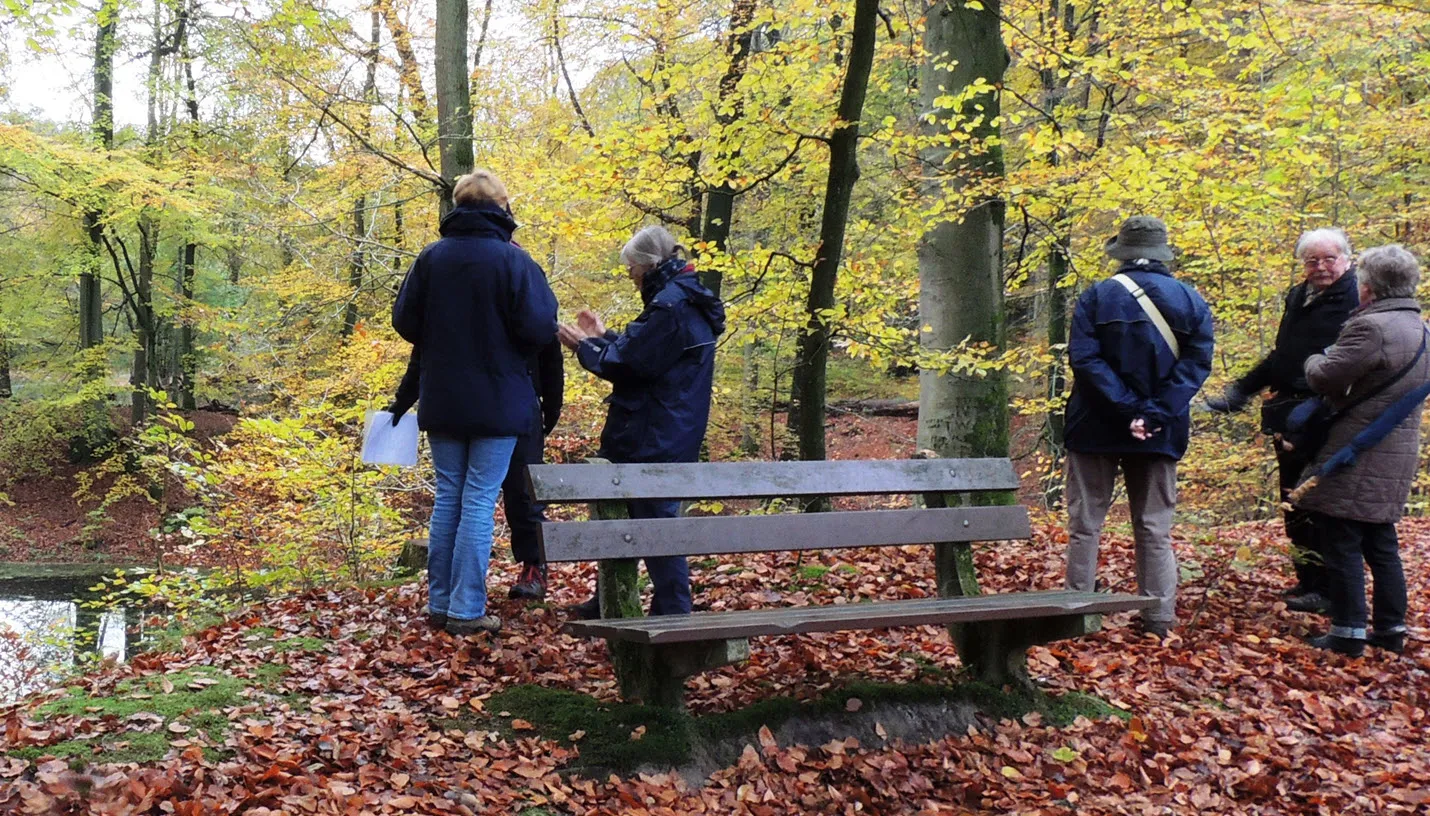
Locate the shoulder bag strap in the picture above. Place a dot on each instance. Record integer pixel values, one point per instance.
(1151, 309)
(1399, 375)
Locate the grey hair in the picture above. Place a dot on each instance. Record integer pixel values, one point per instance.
(1389, 271)
(1324, 235)
(649, 247)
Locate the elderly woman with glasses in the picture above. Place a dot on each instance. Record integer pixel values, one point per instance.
(1379, 357)
(1316, 308)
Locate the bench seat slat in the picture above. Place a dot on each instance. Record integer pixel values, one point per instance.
(715, 535)
(857, 616)
(555, 484)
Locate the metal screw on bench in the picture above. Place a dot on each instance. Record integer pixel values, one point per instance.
(616, 480)
(626, 538)
(965, 522)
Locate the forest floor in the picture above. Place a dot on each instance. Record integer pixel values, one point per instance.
(345, 702)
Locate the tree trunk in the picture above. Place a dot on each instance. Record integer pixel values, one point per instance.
(720, 200)
(5, 389)
(188, 359)
(144, 374)
(1062, 22)
(357, 264)
(482, 37)
(961, 261)
(813, 350)
(454, 104)
(91, 328)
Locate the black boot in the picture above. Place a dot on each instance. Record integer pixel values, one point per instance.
(586, 610)
(1310, 602)
(1350, 647)
(1389, 641)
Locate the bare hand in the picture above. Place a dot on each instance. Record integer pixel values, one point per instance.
(570, 336)
(1140, 431)
(590, 322)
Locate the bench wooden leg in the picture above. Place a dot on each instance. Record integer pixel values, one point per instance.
(655, 675)
(996, 652)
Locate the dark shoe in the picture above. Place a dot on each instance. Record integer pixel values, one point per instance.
(436, 621)
(1389, 641)
(1310, 602)
(1158, 628)
(1350, 647)
(586, 610)
(486, 623)
(1299, 589)
(531, 584)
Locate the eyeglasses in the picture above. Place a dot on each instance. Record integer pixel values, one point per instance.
(1311, 263)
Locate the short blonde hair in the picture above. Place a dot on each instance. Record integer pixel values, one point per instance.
(479, 187)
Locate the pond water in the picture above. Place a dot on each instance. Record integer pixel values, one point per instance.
(47, 629)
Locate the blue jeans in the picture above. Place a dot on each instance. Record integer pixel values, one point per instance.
(469, 477)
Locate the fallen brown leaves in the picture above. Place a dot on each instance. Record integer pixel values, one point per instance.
(1233, 716)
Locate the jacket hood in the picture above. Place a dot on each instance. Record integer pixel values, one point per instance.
(679, 272)
(485, 220)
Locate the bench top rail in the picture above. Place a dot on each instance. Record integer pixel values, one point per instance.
(556, 484)
(857, 616)
(716, 535)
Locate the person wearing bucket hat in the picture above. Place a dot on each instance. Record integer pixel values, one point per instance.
(1140, 348)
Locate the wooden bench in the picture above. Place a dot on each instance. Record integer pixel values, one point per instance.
(653, 655)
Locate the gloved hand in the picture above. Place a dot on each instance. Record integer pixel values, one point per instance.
(397, 409)
(1233, 399)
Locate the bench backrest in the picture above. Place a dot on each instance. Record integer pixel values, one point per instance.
(709, 535)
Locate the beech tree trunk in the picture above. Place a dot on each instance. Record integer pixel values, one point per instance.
(357, 264)
(5, 389)
(720, 200)
(91, 328)
(961, 261)
(188, 358)
(812, 355)
(454, 103)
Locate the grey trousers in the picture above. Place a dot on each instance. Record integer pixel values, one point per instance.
(1152, 493)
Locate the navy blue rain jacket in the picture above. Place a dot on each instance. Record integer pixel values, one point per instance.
(478, 307)
(1123, 369)
(661, 369)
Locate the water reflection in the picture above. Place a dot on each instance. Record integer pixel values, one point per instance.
(47, 629)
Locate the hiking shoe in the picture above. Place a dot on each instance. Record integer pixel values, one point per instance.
(1299, 589)
(586, 610)
(436, 621)
(1310, 602)
(1350, 647)
(530, 584)
(1159, 628)
(486, 623)
(1389, 641)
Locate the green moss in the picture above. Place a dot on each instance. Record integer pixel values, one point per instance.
(147, 694)
(305, 644)
(812, 572)
(605, 729)
(606, 741)
(848, 569)
(112, 748)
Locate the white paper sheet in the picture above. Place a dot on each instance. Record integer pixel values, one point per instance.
(384, 444)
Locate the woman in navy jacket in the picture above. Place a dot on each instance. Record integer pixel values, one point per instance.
(661, 369)
(478, 307)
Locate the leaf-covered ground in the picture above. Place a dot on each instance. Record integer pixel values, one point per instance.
(348, 704)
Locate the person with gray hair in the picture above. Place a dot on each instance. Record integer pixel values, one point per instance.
(1379, 357)
(662, 370)
(1316, 307)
